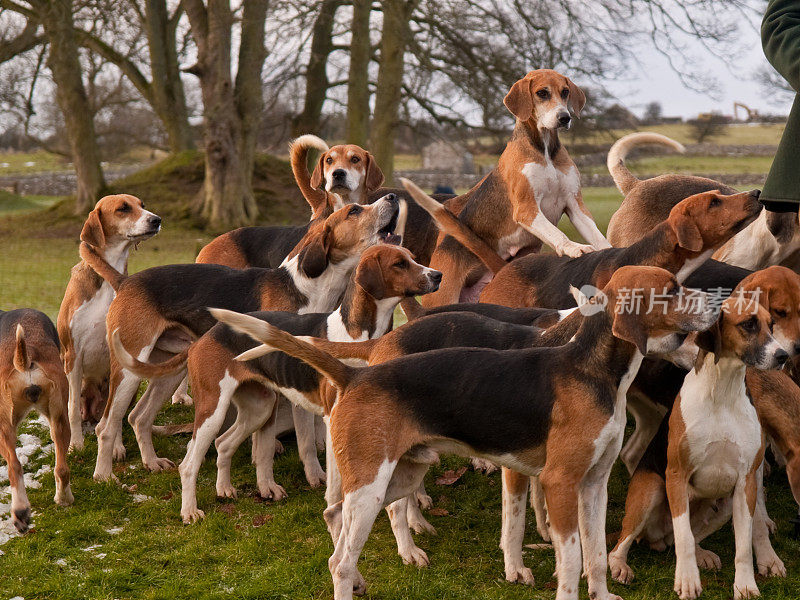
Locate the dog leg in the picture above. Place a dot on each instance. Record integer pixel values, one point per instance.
(515, 493)
(648, 417)
(144, 415)
(20, 506)
(181, 395)
(645, 495)
(539, 508)
(255, 406)
(333, 491)
(744, 582)
(307, 445)
(359, 510)
(75, 380)
(319, 433)
(687, 575)
(206, 428)
(593, 499)
(767, 561)
(124, 385)
(60, 433)
(406, 548)
(265, 478)
(561, 494)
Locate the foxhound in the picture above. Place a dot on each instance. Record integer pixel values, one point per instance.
(32, 377)
(391, 421)
(117, 224)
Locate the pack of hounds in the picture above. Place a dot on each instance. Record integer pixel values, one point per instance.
(280, 328)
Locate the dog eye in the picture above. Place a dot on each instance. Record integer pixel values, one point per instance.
(749, 325)
(356, 209)
(354, 159)
(124, 208)
(401, 265)
(543, 94)
(565, 93)
(781, 314)
(714, 202)
(329, 160)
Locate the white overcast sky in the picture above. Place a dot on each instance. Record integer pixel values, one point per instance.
(655, 81)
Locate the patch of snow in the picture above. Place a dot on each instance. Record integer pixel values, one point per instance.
(94, 547)
(114, 530)
(61, 562)
(141, 498)
(101, 555)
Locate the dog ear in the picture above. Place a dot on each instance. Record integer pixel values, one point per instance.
(687, 233)
(519, 101)
(627, 327)
(577, 99)
(710, 340)
(316, 177)
(374, 177)
(369, 276)
(312, 260)
(92, 232)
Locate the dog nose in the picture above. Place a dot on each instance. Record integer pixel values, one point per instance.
(564, 119)
(781, 356)
(391, 198)
(339, 174)
(797, 348)
(755, 193)
(155, 221)
(435, 277)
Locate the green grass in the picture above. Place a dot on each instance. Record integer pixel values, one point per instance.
(675, 163)
(251, 549)
(738, 134)
(16, 163)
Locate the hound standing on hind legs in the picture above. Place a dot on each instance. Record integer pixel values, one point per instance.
(391, 420)
(31, 376)
(117, 224)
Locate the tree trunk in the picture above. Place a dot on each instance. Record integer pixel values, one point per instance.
(66, 69)
(394, 38)
(226, 199)
(308, 121)
(168, 98)
(358, 78)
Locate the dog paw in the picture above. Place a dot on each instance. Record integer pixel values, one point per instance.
(192, 516)
(182, 398)
(520, 574)
(620, 570)
(359, 585)
(706, 559)
(22, 519)
(575, 250)
(76, 445)
(415, 556)
(65, 498)
(483, 465)
(101, 476)
(419, 524)
(424, 501)
(272, 491)
(771, 566)
(687, 582)
(544, 532)
(118, 454)
(316, 478)
(747, 589)
(226, 491)
(159, 464)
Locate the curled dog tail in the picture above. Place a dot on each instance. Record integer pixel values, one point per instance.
(22, 360)
(100, 266)
(623, 178)
(143, 369)
(451, 225)
(299, 159)
(335, 370)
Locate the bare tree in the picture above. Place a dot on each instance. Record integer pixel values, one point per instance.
(358, 77)
(708, 126)
(394, 39)
(56, 18)
(231, 111)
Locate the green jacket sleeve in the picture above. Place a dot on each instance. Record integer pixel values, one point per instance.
(780, 37)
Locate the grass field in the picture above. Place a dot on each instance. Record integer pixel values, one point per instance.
(129, 542)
